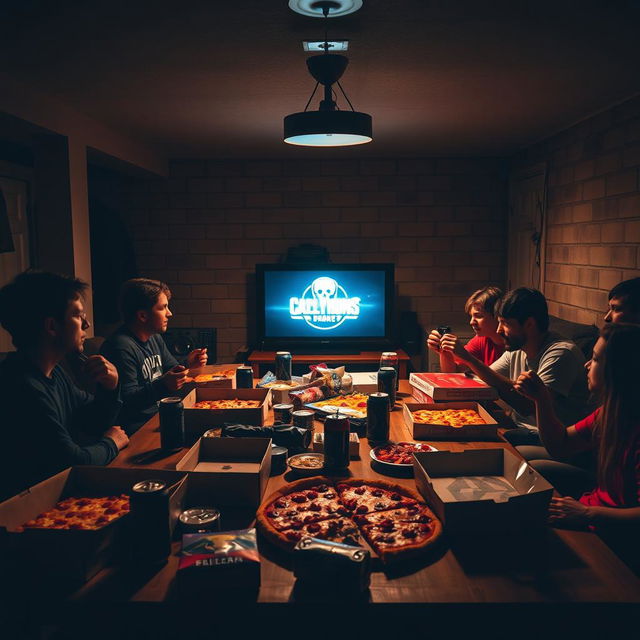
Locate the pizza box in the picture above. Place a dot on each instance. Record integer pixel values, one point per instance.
(434, 431)
(225, 381)
(354, 444)
(452, 386)
(74, 556)
(197, 421)
(231, 472)
(365, 381)
(481, 490)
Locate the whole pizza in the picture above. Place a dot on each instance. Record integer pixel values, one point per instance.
(227, 404)
(450, 417)
(81, 513)
(216, 375)
(390, 518)
(354, 403)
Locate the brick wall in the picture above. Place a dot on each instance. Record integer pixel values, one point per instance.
(593, 218)
(202, 230)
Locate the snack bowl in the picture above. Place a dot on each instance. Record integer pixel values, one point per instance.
(306, 464)
(402, 451)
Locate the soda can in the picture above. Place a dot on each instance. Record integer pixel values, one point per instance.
(303, 418)
(199, 519)
(283, 365)
(149, 521)
(282, 413)
(336, 441)
(378, 417)
(390, 359)
(387, 383)
(171, 412)
(244, 377)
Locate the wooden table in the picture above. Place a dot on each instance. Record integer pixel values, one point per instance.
(550, 566)
(570, 575)
(256, 358)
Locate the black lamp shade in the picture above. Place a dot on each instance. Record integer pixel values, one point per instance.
(327, 128)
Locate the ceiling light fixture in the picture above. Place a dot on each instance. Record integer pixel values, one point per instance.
(329, 126)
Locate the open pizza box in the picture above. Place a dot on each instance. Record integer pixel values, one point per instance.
(230, 472)
(197, 421)
(435, 431)
(480, 490)
(74, 556)
(220, 376)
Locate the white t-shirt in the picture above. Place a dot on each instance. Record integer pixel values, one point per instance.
(560, 365)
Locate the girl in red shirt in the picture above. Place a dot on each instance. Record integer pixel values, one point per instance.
(612, 432)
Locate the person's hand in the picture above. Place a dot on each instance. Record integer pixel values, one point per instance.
(175, 378)
(433, 341)
(530, 386)
(197, 358)
(450, 343)
(120, 438)
(99, 370)
(567, 511)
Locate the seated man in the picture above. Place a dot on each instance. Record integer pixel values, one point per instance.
(624, 302)
(148, 372)
(48, 422)
(523, 321)
(487, 345)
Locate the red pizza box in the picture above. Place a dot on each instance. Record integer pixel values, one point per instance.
(420, 396)
(228, 472)
(69, 558)
(480, 490)
(197, 421)
(220, 376)
(452, 386)
(435, 431)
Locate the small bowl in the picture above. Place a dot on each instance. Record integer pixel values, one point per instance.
(306, 464)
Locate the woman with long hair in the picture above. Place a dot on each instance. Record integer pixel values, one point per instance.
(612, 432)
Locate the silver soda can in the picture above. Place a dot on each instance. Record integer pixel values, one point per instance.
(283, 365)
(282, 413)
(303, 418)
(387, 383)
(378, 417)
(244, 378)
(171, 412)
(199, 519)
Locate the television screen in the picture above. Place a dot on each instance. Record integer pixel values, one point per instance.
(325, 303)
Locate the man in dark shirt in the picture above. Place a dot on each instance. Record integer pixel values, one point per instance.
(48, 423)
(148, 372)
(624, 302)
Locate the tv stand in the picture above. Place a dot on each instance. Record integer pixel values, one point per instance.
(338, 351)
(372, 358)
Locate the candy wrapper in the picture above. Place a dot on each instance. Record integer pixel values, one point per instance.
(310, 394)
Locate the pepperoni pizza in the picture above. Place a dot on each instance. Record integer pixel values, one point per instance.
(392, 519)
(450, 417)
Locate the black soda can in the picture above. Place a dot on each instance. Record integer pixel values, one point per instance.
(282, 413)
(283, 365)
(244, 378)
(150, 523)
(378, 417)
(390, 359)
(171, 412)
(336, 442)
(303, 418)
(387, 383)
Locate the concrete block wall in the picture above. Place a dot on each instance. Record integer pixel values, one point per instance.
(203, 230)
(593, 216)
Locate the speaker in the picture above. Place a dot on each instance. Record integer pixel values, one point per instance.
(410, 333)
(181, 341)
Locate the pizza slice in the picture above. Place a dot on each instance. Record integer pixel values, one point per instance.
(361, 497)
(413, 513)
(341, 530)
(400, 539)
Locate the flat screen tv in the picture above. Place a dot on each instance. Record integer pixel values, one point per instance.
(345, 308)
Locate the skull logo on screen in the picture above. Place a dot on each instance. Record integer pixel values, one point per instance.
(324, 288)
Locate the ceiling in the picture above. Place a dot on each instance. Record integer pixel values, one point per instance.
(439, 77)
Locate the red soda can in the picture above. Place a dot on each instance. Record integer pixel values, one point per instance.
(390, 359)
